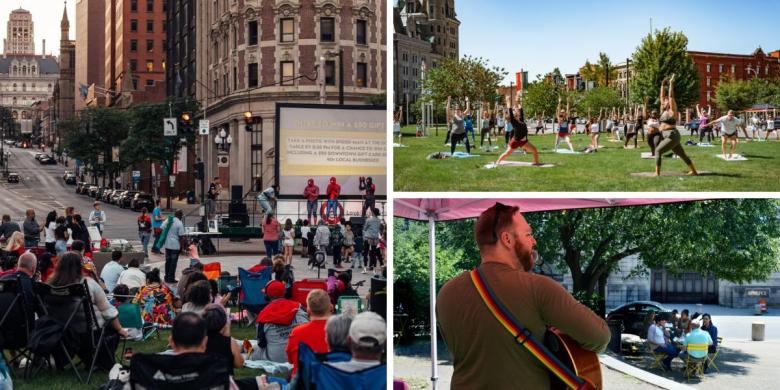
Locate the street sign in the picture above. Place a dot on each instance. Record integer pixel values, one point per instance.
(136, 176)
(203, 127)
(169, 127)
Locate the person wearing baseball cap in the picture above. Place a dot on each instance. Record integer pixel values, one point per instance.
(367, 337)
(275, 322)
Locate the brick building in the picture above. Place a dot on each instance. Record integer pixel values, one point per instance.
(713, 67)
(254, 53)
(90, 52)
(134, 53)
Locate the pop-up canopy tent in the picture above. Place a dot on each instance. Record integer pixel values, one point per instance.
(435, 210)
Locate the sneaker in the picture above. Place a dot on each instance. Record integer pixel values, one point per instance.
(363, 271)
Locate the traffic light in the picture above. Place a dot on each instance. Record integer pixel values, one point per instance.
(200, 170)
(186, 122)
(248, 120)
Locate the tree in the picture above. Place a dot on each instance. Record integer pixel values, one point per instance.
(460, 78)
(542, 97)
(92, 137)
(598, 72)
(738, 95)
(657, 57)
(598, 98)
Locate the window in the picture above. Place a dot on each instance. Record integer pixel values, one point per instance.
(709, 81)
(720, 68)
(330, 72)
(149, 5)
(362, 75)
(709, 68)
(135, 83)
(235, 78)
(288, 72)
(252, 70)
(165, 5)
(360, 38)
(133, 45)
(766, 70)
(133, 25)
(709, 96)
(133, 5)
(133, 65)
(733, 68)
(287, 29)
(253, 32)
(149, 66)
(149, 45)
(327, 30)
(150, 26)
(164, 26)
(164, 45)
(149, 82)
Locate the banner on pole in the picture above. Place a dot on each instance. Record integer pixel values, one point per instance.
(521, 79)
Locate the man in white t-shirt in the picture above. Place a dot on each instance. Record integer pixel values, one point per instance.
(730, 124)
(770, 127)
(659, 342)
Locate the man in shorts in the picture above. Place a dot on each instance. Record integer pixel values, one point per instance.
(729, 124)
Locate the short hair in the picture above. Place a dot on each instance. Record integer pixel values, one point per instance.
(492, 222)
(27, 261)
(198, 293)
(337, 331)
(153, 276)
(318, 302)
(215, 318)
(685, 311)
(77, 245)
(189, 330)
(120, 293)
(197, 266)
(116, 255)
(6, 217)
(178, 213)
(133, 263)
(266, 261)
(376, 212)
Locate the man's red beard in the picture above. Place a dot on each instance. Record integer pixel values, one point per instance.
(525, 259)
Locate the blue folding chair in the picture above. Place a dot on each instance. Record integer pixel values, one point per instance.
(313, 373)
(252, 285)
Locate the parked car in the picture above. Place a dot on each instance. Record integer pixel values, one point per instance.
(116, 196)
(47, 160)
(13, 177)
(106, 195)
(142, 200)
(633, 314)
(92, 191)
(85, 189)
(70, 179)
(79, 186)
(38, 156)
(9, 142)
(126, 199)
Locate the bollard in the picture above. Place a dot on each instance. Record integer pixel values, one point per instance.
(758, 331)
(615, 341)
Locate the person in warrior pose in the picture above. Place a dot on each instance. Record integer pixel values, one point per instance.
(519, 135)
(508, 129)
(730, 124)
(668, 127)
(540, 123)
(653, 134)
(630, 126)
(500, 123)
(563, 125)
(484, 126)
(458, 126)
(704, 127)
(595, 128)
(468, 122)
(770, 126)
(397, 123)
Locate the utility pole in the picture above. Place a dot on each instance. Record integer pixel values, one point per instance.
(341, 76)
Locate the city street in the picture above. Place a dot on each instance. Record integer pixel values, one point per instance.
(41, 188)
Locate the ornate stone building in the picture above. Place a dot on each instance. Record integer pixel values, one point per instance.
(254, 53)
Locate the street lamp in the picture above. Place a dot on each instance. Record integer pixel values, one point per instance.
(223, 140)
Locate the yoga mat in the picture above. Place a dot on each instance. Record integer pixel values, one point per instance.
(517, 164)
(669, 174)
(705, 145)
(735, 157)
(566, 151)
(399, 146)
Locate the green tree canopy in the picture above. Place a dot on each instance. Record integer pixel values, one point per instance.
(738, 95)
(657, 57)
(598, 72)
(460, 78)
(598, 98)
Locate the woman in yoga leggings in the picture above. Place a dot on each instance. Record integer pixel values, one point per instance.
(484, 126)
(704, 126)
(458, 126)
(595, 128)
(563, 125)
(519, 135)
(671, 136)
(628, 118)
(653, 134)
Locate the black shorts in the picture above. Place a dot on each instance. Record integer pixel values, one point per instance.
(305, 242)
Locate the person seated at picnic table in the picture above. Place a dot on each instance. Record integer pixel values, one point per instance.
(695, 336)
(155, 300)
(275, 322)
(661, 343)
(684, 325)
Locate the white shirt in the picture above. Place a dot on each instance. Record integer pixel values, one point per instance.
(97, 217)
(100, 303)
(305, 231)
(655, 335)
(132, 278)
(50, 232)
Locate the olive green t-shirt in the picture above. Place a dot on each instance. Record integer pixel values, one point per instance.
(484, 354)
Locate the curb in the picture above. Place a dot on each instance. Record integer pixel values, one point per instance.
(642, 375)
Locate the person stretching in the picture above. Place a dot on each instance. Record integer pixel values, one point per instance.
(397, 123)
(540, 123)
(631, 124)
(484, 126)
(770, 126)
(458, 126)
(563, 125)
(671, 136)
(507, 129)
(704, 127)
(519, 135)
(595, 128)
(654, 136)
(729, 123)
(468, 122)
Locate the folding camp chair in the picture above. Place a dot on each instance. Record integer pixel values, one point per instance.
(71, 305)
(657, 358)
(694, 366)
(252, 297)
(130, 318)
(16, 320)
(212, 270)
(187, 371)
(314, 373)
(302, 288)
(712, 356)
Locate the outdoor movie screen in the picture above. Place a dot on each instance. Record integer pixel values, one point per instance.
(321, 141)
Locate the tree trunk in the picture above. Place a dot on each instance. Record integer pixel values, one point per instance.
(602, 303)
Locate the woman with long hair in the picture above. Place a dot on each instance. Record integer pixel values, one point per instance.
(671, 136)
(68, 272)
(61, 236)
(271, 235)
(15, 244)
(563, 125)
(458, 119)
(288, 241)
(50, 226)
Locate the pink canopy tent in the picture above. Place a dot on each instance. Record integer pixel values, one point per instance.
(435, 210)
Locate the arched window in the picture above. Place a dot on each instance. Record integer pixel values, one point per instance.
(14, 102)
(15, 70)
(32, 70)
(14, 86)
(24, 70)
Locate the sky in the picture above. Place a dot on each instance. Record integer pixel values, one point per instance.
(540, 35)
(46, 15)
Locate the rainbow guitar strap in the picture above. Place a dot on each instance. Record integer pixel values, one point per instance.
(522, 335)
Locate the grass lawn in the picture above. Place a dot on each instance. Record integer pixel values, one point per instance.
(608, 170)
(66, 380)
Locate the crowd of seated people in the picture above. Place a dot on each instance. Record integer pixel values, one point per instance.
(670, 334)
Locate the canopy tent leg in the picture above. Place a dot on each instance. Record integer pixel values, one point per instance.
(432, 280)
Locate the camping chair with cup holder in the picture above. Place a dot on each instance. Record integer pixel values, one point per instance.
(130, 318)
(16, 321)
(251, 296)
(187, 371)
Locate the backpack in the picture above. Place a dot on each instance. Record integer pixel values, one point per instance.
(336, 238)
